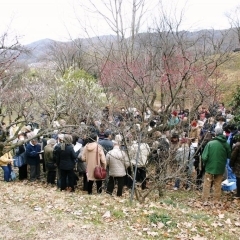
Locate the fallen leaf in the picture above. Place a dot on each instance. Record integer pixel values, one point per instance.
(199, 238)
(221, 215)
(38, 209)
(228, 221)
(71, 225)
(107, 214)
(154, 234)
(160, 225)
(237, 224)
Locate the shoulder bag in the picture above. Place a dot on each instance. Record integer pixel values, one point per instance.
(99, 172)
(20, 159)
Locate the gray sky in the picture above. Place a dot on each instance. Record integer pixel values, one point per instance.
(56, 19)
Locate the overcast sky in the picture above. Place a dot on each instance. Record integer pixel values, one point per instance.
(56, 19)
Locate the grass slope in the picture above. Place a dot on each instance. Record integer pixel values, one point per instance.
(34, 211)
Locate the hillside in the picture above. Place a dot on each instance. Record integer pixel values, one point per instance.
(38, 48)
(231, 70)
(38, 55)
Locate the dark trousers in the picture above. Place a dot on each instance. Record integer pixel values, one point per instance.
(7, 172)
(44, 165)
(127, 179)
(141, 176)
(238, 186)
(51, 176)
(99, 186)
(22, 171)
(85, 181)
(42, 161)
(111, 184)
(34, 172)
(67, 175)
(200, 173)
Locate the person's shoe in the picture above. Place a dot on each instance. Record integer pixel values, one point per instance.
(175, 188)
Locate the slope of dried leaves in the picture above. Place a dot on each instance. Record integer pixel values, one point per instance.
(35, 211)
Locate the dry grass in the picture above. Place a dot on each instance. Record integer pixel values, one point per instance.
(34, 211)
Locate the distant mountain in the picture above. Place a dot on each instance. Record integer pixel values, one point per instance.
(38, 50)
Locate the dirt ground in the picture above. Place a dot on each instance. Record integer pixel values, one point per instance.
(32, 211)
(37, 211)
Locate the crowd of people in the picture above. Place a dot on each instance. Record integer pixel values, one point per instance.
(207, 142)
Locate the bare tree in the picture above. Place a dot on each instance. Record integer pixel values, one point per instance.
(64, 55)
(234, 20)
(165, 62)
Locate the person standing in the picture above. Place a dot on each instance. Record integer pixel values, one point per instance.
(6, 163)
(235, 163)
(214, 159)
(65, 159)
(23, 173)
(142, 161)
(198, 164)
(107, 145)
(51, 166)
(93, 154)
(118, 162)
(33, 150)
(184, 160)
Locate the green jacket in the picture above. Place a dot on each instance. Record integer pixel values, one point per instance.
(215, 155)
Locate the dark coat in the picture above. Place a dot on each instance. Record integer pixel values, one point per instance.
(32, 154)
(65, 159)
(235, 159)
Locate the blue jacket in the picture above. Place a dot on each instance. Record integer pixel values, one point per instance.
(32, 154)
(107, 145)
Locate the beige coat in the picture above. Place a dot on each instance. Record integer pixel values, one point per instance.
(6, 159)
(117, 161)
(195, 133)
(143, 154)
(89, 155)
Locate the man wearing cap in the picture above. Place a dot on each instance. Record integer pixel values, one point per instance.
(214, 159)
